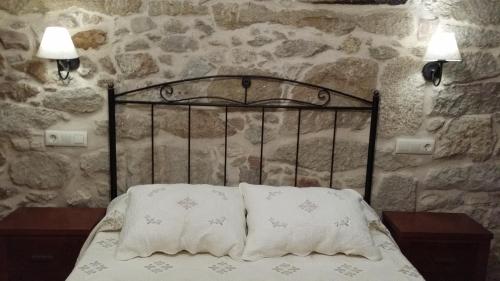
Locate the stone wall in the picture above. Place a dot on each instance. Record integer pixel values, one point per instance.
(349, 48)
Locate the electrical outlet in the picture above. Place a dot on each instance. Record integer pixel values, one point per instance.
(65, 138)
(414, 146)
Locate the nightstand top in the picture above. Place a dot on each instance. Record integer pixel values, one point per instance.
(435, 225)
(51, 221)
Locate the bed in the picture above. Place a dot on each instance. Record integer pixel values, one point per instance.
(97, 260)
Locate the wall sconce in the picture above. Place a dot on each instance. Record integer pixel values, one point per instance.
(57, 45)
(442, 48)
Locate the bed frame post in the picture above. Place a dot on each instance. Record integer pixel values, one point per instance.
(371, 147)
(112, 141)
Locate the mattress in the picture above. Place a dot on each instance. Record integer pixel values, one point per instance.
(97, 263)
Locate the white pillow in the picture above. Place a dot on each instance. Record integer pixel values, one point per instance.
(172, 218)
(284, 220)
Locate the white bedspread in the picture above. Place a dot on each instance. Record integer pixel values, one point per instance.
(97, 261)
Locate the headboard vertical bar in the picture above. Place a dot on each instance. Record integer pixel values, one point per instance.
(297, 147)
(371, 147)
(112, 141)
(152, 144)
(225, 148)
(333, 147)
(261, 144)
(189, 144)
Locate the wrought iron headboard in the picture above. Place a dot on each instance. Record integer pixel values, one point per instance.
(166, 96)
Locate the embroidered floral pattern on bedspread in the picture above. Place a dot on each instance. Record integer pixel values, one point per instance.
(286, 269)
(272, 194)
(158, 266)
(276, 223)
(92, 267)
(220, 221)
(151, 220)
(222, 267)
(108, 243)
(187, 203)
(308, 206)
(348, 270)
(343, 222)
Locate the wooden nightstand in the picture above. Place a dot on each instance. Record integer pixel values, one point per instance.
(42, 244)
(442, 246)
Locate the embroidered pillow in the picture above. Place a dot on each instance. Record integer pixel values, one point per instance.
(283, 220)
(172, 218)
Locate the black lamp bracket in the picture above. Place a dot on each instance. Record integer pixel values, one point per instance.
(67, 65)
(433, 71)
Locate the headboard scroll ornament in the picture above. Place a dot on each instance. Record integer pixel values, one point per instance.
(167, 93)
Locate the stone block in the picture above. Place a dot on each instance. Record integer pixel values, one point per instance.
(299, 47)
(136, 65)
(95, 162)
(19, 92)
(137, 45)
(459, 100)
(396, 192)
(178, 44)
(474, 66)
(35, 68)
(14, 40)
(469, 135)
(391, 23)
(196, 67)
(41, 171)
(79, 100)
(439, 200)
(402, 99)
(7, 191)
(472, 177)
(19, 119)
(383, 52)
(87, 68)
(176, 8)
(175, 26)
(107, 64)
(142, 24)
(90, 39)
(351, 45)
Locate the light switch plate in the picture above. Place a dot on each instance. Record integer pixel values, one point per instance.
(65, 138)
(414, 146)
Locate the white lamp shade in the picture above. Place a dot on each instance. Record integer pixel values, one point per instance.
(442, 46)
(57, 44)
